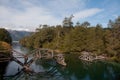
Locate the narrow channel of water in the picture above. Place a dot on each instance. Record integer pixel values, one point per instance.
(75, 69)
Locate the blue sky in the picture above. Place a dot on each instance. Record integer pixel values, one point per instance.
(29, 14)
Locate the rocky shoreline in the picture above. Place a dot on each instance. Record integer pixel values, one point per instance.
(88, 56)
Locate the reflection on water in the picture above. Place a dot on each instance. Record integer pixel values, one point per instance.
(3, 67)
(49, 70)
(82, 70)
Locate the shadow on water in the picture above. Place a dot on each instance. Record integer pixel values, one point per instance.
(3, 66)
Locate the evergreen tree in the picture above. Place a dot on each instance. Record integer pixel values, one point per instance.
(5, 36)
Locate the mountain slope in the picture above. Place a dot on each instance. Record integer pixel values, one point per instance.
(17, 35)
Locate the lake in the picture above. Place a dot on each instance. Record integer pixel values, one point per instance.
(75, 69)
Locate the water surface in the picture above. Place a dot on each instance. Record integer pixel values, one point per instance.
(75, 69)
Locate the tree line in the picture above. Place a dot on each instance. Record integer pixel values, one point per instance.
(78, 38)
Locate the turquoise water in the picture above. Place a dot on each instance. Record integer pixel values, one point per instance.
(49, 70)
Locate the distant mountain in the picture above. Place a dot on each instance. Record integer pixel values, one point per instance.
(17, 35)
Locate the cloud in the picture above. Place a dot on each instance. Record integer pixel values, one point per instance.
(66, 4)
(86, 13)
(30, 18)
(65, 7)
(29, 14)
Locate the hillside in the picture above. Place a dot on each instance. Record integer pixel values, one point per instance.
(17, 35)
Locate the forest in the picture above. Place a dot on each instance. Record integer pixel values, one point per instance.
(77, 38)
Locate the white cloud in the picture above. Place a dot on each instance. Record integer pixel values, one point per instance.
(86, 13)
(66, 4)
(28, 15)
(32, 16)
(66, 7)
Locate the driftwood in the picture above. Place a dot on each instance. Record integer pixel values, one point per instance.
(34, 55)
(88, 56)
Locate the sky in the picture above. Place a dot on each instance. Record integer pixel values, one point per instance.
(29, 14)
